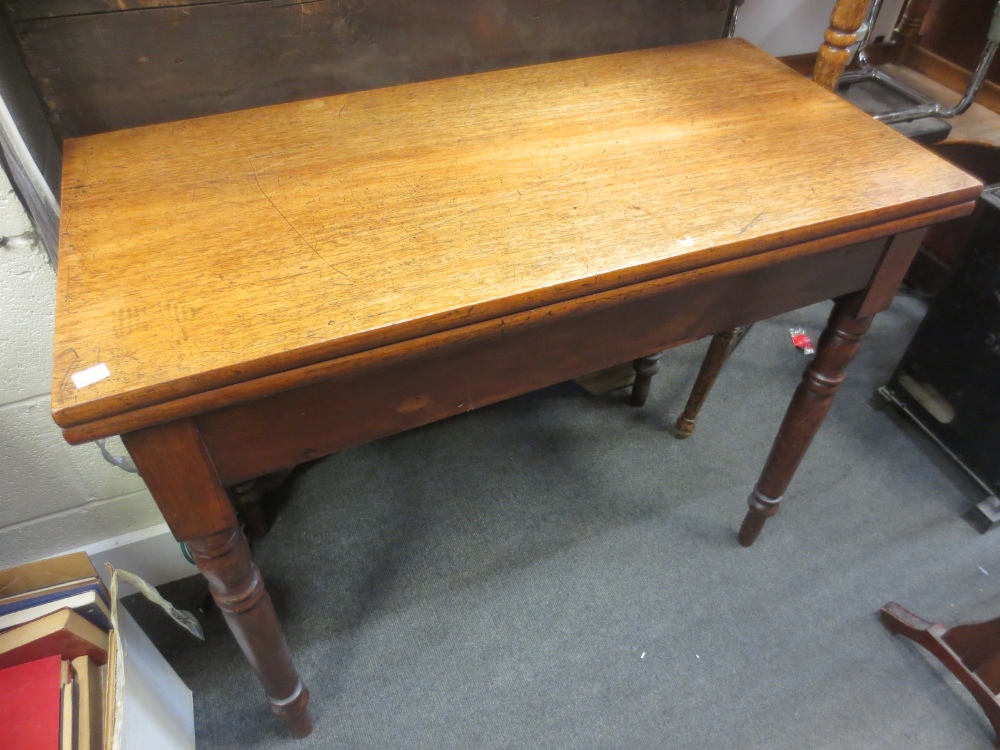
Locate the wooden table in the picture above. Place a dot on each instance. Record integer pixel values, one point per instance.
(270, 286)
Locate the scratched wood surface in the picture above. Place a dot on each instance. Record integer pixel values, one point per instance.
(207, 252)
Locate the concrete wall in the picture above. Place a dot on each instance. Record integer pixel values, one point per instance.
(53, 497)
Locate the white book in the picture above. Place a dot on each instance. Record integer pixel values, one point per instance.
(87, 603)
(157, 707)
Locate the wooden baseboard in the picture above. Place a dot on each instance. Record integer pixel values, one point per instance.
(951, 75)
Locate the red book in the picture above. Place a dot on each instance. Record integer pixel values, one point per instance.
(29, 705)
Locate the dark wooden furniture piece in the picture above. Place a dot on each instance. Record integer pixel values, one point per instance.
(270, 286)
(971, 652)
(719, 348)
(943, 40)
(945, 243)
(103, 65)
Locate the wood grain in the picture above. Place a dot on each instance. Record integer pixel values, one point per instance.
(176, 467)
(205, 253)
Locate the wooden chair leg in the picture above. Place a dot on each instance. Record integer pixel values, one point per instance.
(906, 35)
(840, 36)
(810, 403)
(249, 501)
(722, 345)
(249, 498)
(645, 369)
(970, 652)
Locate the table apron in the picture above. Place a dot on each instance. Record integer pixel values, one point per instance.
(257, 437)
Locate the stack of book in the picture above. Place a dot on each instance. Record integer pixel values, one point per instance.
(74, 676)
(54, 636)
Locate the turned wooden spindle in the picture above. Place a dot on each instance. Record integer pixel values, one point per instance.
(835, 51)
(849, 320)
(176, 467)
(238, 590)
(722, 345)
(837, 347)
(645, 369)
(906, 35)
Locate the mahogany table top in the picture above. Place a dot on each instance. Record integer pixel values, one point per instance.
(206, 252)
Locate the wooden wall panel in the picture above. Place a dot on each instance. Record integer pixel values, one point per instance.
(956, 30)
(108, 64)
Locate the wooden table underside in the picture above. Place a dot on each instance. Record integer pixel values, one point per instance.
(657, 207)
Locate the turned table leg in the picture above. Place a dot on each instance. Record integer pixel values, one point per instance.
(849, 321)
(837, 347)
(645, 369)
(176, 467)
(238, 590)
(722, 345)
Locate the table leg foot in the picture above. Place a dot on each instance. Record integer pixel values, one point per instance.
(810, 403)
(645, 369)
(294, 712)
(238, 590)
(761, 508)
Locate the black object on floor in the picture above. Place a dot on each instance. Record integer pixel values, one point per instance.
(949, 378)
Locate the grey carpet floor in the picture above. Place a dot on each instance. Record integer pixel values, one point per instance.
(557, 571)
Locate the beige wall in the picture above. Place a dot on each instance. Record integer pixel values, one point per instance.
(794, 27)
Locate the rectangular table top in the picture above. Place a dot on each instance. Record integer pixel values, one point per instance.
(205, 252)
